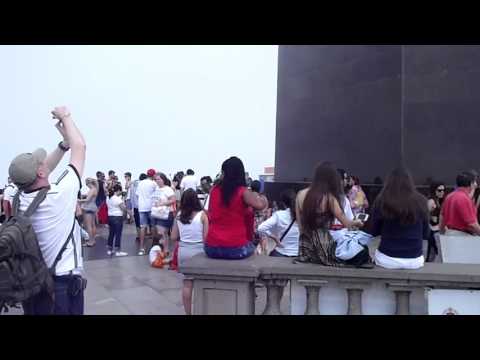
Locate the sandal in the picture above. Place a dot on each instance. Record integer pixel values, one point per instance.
(90, 244)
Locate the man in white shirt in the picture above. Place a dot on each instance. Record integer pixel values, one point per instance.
(58, 233)
(8, 194)
(189, 181)
(145, 190)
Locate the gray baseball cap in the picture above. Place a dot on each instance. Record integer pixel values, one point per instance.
(23, 169)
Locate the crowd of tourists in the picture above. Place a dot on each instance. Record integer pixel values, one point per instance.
(331, 222)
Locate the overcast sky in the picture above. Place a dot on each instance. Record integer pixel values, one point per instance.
(166, 107)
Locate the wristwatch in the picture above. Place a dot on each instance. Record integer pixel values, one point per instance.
(63, 147)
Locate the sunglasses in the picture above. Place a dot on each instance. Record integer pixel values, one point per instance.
(440, 190)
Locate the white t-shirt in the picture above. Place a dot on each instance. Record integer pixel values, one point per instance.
(347, 210)
(189, 182)
(276, 225)
(113, 205)
(127, 189)
(206, 203)
(145, 191)
(53, 221)
(162, 194)
(10, 192)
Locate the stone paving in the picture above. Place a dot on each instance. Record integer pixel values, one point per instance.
(130, 286)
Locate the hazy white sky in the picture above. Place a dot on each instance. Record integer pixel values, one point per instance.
(166, 107)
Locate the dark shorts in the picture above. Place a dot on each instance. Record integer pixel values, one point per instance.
(165, 223)
(230, 253)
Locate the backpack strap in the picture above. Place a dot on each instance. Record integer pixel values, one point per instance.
(64, 247)
(286, 231)
(42, 194)
(16, 203)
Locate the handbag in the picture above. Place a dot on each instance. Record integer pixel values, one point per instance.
(361, 260)
(160, 212)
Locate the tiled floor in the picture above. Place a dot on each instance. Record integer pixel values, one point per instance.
(128, 244)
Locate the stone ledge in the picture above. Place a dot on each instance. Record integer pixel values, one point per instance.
(432, 274)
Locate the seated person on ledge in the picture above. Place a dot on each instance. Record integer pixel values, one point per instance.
(401, 217)
(459, 214)
(230, 233)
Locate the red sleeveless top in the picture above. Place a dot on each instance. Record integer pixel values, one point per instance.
(227, 226)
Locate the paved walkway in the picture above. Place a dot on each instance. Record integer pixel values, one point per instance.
(130, 286)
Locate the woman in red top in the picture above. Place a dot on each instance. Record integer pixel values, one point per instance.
(229, 235)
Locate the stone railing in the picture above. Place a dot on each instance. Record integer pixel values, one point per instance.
(228, 287)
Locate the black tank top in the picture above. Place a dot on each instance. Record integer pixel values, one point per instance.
(435, 214)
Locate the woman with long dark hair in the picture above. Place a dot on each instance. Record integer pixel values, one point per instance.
(435, 201)
(230, 233)
(400, 215)
(190, 227)
(317, 208)
(282, 226)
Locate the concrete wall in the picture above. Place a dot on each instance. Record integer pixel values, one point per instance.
(344, 103)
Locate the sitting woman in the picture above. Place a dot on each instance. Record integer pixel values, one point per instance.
(230, 228)
(282, 226)
(317, 208)
(190, 227)
(400, 215)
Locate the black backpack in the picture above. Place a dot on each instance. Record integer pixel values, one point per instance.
(23, 271)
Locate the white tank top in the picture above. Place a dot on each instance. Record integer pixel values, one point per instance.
(193, 232)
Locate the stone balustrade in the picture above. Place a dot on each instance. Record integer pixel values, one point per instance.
(228, 286)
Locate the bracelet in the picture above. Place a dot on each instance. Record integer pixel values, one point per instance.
(63, 147)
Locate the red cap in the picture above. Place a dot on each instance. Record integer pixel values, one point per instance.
(151, 172)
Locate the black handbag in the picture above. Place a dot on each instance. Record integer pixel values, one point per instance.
(361, 260)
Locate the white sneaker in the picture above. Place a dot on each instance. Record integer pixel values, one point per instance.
(121, 253)
(141, 252)
(109, 252)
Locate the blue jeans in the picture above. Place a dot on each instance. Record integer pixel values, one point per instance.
(230, 253)
(115, 225)
(69, 299)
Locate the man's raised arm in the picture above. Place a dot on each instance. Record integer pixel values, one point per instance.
(73, 136)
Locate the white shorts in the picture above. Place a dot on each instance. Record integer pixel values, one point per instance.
(388, 262)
